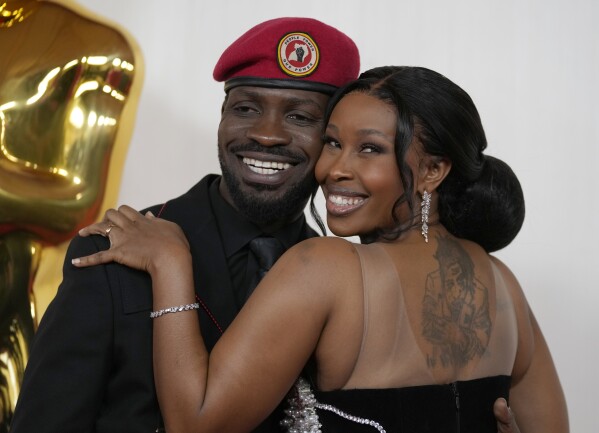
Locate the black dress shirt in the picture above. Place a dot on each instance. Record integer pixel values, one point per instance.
(236, 232)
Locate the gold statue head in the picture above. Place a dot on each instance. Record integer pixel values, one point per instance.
(65, 83)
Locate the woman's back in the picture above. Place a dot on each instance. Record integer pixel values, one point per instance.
(438, 342)
(432, 318)
(430, 313)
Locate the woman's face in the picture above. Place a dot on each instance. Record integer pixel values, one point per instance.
(357, 168)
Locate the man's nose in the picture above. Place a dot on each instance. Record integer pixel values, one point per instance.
(269, 130)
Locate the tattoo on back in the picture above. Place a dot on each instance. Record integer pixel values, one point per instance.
(455, 314)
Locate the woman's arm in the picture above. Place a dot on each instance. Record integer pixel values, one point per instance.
(536, 395)
(254, 363)
(257, 360)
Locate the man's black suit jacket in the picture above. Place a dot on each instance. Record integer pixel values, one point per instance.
(90, 368)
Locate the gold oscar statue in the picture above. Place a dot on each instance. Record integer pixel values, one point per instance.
(69, 85)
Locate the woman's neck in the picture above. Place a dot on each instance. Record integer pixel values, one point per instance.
(413, 234)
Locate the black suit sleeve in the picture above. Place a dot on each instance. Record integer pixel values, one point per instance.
(68, 369)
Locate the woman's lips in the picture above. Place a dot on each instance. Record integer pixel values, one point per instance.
(338, 204)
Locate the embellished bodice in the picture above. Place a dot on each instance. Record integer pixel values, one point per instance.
(458, 407)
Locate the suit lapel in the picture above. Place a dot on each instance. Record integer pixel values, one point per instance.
(193, 212)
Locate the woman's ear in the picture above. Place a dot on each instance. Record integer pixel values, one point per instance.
(433, 170)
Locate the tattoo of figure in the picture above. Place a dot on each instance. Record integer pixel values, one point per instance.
(455, 314)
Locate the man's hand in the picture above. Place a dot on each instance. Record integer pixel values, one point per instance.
(506, 421)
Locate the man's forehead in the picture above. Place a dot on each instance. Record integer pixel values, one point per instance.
(291, 96)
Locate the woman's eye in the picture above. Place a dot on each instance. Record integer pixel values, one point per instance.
(370, 148)
(331, 142)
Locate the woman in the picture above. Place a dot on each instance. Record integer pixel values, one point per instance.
(418, 330)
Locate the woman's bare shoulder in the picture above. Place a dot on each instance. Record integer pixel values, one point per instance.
(513, 286)
(510, 279)
(329, 250)
(323, 258)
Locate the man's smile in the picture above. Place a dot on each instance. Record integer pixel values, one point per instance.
(264, 166)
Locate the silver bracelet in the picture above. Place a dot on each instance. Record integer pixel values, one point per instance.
(187, 307)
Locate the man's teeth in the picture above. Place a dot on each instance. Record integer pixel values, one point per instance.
(341, 200)
(265, 167)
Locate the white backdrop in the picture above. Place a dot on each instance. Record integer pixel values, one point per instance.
(532, 68)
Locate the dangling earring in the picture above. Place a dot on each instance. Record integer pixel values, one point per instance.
(426, 208)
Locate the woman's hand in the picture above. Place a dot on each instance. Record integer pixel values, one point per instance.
(139, 241)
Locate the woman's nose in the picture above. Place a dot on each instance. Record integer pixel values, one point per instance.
(341, 167)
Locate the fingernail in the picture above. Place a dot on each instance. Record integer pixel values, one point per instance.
(76, 261)
(149, 213)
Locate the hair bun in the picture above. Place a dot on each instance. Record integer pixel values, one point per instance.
(488, 211)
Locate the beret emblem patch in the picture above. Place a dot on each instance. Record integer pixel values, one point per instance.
(298, 54)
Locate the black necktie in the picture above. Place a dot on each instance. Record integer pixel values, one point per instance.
(266, 250)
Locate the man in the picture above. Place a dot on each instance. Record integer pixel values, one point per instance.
(90, 369)
(91, 365)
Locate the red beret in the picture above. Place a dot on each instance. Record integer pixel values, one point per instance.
(296, 53)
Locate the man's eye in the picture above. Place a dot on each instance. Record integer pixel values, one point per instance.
(244, 109)
(300, 117)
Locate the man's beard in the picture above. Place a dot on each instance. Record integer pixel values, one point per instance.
(261, 210)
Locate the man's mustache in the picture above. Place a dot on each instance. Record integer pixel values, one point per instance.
(296, 157)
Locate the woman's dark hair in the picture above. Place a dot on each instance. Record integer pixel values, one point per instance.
(481, 198)
(315, 214)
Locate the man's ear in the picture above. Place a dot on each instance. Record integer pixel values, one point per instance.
(433, 170)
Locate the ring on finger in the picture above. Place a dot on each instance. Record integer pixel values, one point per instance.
(109, 228)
